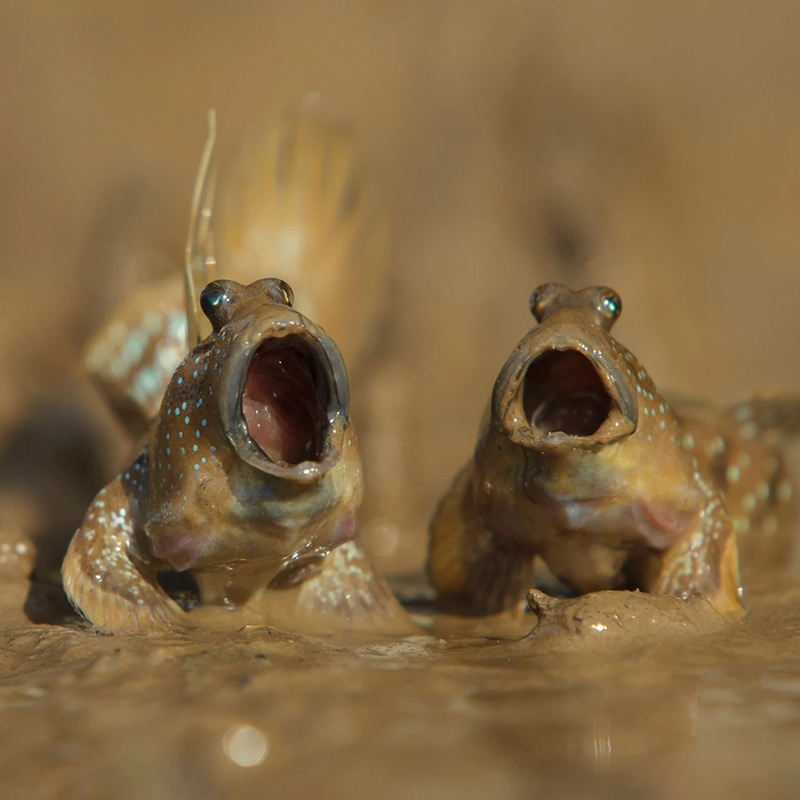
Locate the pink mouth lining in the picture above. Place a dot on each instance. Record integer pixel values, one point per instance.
(284, 401)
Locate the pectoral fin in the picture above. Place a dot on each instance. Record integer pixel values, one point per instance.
(472, 569)
(705, 561)
(103, 577)
(341, 594)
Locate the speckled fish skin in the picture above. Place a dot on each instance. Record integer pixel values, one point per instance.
(133, 356)
(295, 202)
(204, 497)
(617, 501)
(742, 448)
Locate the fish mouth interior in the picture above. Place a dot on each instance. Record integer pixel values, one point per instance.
(285, 400)
(562, 392)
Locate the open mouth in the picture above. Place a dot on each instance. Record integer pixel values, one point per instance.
(563, 393)
(285, 400)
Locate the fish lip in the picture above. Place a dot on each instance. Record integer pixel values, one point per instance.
(598, 348)
(280, 323)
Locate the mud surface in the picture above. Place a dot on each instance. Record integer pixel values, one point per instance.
(613, 695)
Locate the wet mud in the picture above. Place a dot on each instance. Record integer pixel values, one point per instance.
(609, 695)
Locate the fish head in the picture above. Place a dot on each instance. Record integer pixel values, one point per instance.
(568, 386)
(282, 393)
(253, 437)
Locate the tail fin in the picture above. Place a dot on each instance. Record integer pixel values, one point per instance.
(296, 203)
(772, 411)
(133, 355)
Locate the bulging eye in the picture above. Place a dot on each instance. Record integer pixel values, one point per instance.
(612, 305)
(540, 299)
(282, 292)
(536, 297)
(212, 299)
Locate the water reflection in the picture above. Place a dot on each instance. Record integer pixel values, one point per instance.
(602, 744)
(245, 745)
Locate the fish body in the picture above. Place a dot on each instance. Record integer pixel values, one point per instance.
(742, 448)
(582, 462)
(250, 482)
(133, 356)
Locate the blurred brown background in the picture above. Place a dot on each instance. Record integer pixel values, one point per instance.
(652, 147)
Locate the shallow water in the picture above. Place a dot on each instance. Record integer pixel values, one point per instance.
(615, 695)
